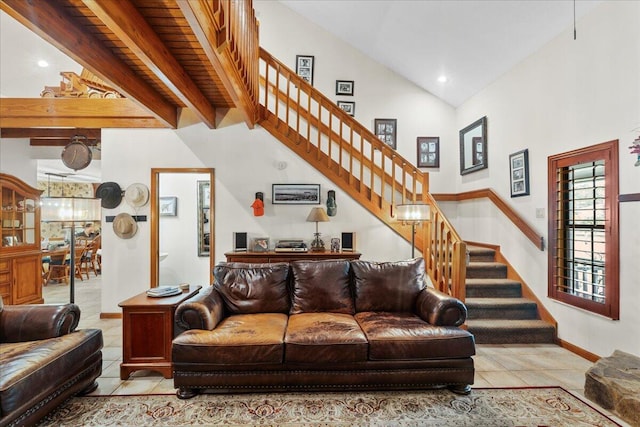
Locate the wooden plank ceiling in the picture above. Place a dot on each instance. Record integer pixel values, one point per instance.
(144, 49)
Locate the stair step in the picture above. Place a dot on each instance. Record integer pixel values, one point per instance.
(500, 331)
(480, 254)
(493, 288)
(479, 270)
(501, 308)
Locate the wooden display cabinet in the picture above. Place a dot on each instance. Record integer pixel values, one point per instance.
(20, 254)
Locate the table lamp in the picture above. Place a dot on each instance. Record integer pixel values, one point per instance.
(317, 215)
(413, 214)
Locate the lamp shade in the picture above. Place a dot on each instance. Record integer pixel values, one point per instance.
(418, 212)
(63, 209)
(317, 215)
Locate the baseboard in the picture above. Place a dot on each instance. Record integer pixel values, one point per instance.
(578, 350)
(111, 315)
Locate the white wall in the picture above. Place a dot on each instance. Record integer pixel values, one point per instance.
(568, 95)
(179, 234)
(245, 161)
(378, 92)
(16, 160)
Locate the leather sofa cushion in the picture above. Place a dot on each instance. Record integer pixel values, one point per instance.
(31, 370)
(253, 288)
(321, 286)
(324, 338)
(404, 336)
(388, 286)
(238, 339)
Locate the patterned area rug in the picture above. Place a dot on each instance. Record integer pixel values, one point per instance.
(548, 406)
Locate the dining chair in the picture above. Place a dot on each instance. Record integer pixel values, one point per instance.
(77, 261)
(59, 266)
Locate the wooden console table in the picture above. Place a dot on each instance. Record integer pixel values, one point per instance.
(272, 256)
(147, 332)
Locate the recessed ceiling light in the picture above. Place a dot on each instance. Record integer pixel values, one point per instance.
(42, 63)
(443, 79)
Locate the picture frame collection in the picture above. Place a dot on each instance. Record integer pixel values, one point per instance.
(427, 147)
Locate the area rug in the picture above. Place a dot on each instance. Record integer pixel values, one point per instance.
(543, 406)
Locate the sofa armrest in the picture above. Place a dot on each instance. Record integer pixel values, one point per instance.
(202, 311)
(31, 322)
(440, 309)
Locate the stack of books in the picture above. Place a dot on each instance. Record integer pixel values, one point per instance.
(163, 291)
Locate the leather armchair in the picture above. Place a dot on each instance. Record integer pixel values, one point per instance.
(62, 362)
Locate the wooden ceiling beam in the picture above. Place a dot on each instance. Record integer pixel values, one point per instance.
(50, 133)
(51, 22)
(83, 113)
(48, 137)
(129, 26)
(199, 15)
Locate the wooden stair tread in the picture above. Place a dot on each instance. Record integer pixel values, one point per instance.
(486, 281)
(491, 324)
(499, 302)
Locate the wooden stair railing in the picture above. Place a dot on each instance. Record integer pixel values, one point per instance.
(501, 204)
(350, 155)
(228, 32)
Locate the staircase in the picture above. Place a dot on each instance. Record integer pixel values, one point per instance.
(497, 311)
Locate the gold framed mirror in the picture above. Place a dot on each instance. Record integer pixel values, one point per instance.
(170, 245)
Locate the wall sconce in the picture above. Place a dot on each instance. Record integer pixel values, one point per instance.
(317, 215)
(414, 215)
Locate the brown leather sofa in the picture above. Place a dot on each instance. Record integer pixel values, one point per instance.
(321, 325)
(43, 360)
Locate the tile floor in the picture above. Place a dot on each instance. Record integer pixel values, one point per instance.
(496, 365)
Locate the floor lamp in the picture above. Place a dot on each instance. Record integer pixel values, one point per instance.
(413, 214)
(70, 210)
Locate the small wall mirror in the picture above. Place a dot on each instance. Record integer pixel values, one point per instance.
(473, 147)
(204, 236)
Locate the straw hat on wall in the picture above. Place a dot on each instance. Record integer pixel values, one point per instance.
(124, 226)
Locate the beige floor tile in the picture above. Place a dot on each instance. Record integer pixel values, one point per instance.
(503, 379)
(568, 378)
(112, 353)
(487, 363)
(106, 386)
(479, 381)
(165, 387)
(138, 385)
(112, 370)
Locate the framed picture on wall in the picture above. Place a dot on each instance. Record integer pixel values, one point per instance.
(344, 87)
(519, 173)
(295, 194)
(169, 206)
(385, 130)
(428, 151)
(348, 107)
(304, 67)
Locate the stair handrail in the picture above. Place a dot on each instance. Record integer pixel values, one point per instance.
(228, 30)
(511, 214)
(320, 127)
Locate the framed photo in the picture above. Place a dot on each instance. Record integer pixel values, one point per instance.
(168, 206)
(304, 67)
(519, 173)
(477, 151)
(295, 194)
(428, 151)
(385, 130)
(260, 244)
(344, 87)
(348, 107)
